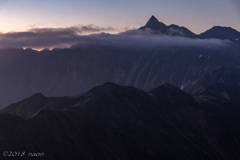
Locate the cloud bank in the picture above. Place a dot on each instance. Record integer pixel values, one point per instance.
(40, 38)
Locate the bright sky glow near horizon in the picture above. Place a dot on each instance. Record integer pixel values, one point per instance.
(198, 16)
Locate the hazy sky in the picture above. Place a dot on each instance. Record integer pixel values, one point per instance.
(198, 16)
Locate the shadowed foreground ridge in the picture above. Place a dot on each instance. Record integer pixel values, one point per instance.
(115, 122)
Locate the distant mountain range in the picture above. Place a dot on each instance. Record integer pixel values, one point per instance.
(116, 122)
(218, 32)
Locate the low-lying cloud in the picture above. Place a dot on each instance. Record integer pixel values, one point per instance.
(65, 37)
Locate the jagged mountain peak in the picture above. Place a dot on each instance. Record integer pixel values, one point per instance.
(160, 28)
(152, 20)
(154, 24)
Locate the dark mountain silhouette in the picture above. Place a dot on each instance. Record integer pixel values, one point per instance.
(158, 27)
(222, 33)
(217, 32)
(155, 25)
(116, 122)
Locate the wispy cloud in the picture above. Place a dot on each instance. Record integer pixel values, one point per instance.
(56, 32)
(65, 37)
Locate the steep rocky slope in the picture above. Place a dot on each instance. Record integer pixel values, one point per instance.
(65, 72)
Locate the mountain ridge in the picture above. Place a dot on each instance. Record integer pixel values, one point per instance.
(219, 32)
(71, 71)
(115, 122)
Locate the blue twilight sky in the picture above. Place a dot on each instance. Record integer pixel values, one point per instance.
(198, 16)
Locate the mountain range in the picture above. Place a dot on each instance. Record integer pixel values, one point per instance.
(217, 32)
(117, 122)
(143, 62)
(65, 72)
(157, 92)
